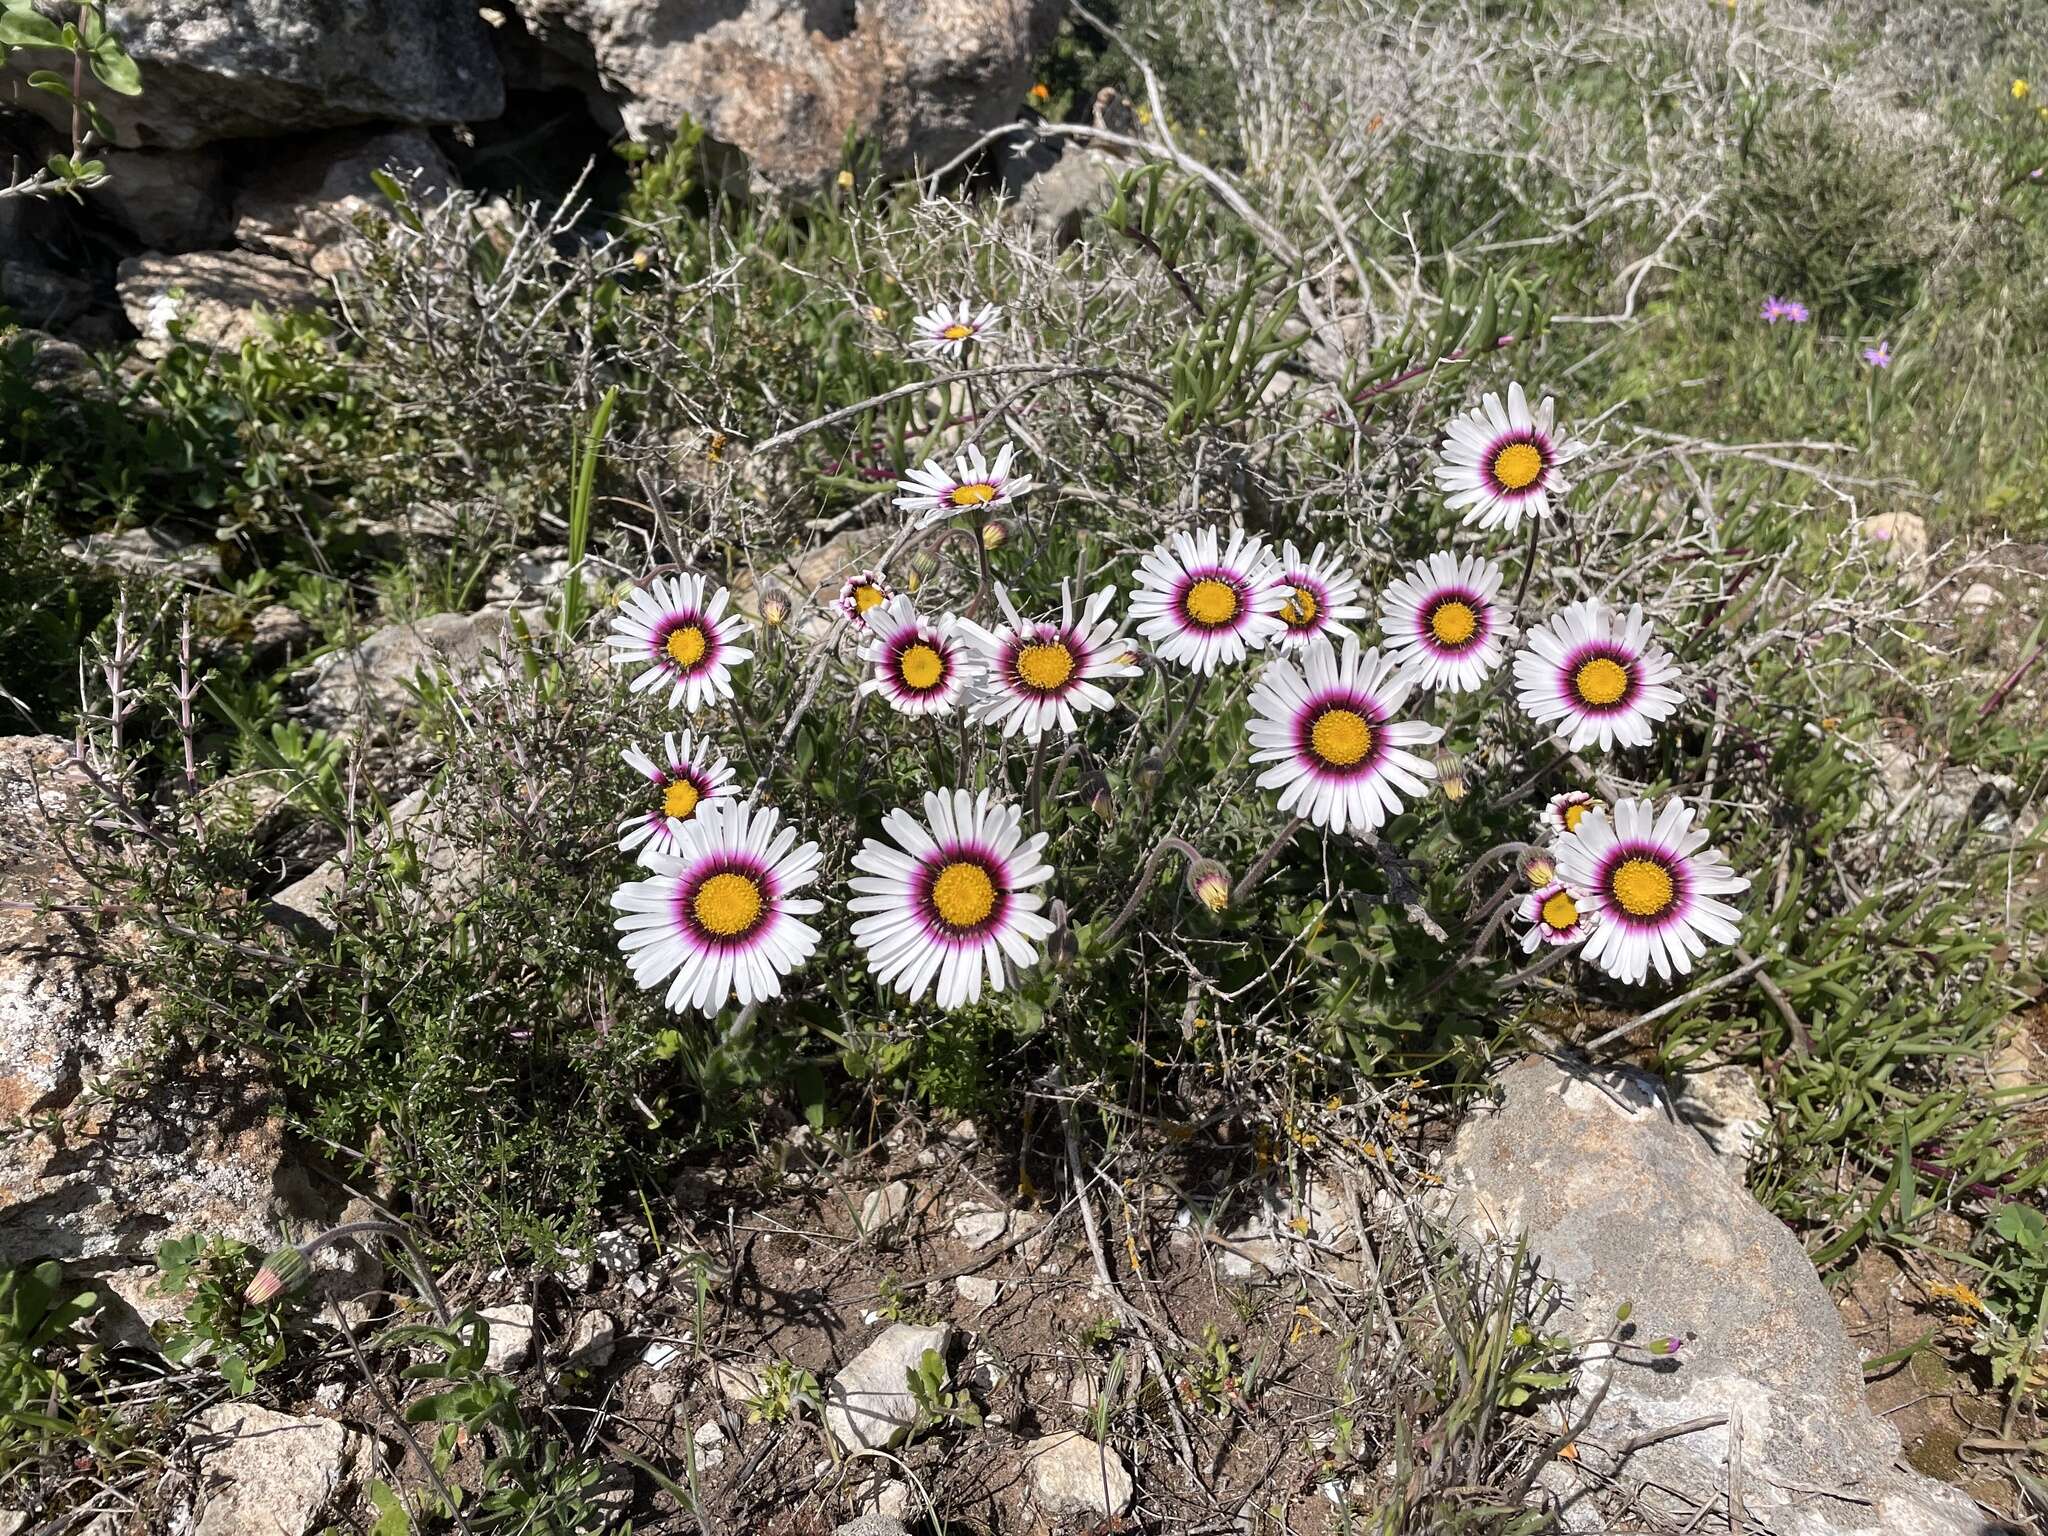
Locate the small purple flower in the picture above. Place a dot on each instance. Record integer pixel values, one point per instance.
(1776, 309)
(1879, 356)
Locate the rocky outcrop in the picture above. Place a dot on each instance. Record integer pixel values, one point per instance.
(216, 298)
(303, 205)
(235, 69)
(108, 1144)
(366, 686)
(786, 83)
(270, 1472)
(1622, 1201)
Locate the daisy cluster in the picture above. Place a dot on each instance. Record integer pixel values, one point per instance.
(953, 897)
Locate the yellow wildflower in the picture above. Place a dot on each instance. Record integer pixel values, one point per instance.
(2020, 88)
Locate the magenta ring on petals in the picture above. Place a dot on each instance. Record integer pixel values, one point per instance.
(1482, 617)
(1045, 634)
(1241, 615)
(683, 618)
(1674, 868)
(931, 865)
(1584, 655)
(702, 939)
(1520, 437)
(893, 650)
(1317, 706)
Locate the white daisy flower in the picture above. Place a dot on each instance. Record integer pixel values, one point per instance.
(952, 898)
(687, 774)
(1321, 596)
(1653, 885)
(688, 644)
(1339, 756)
(1594, 677)
(717, 915)
(921, 666)
(1203, 608)
(1563, 813)
(862, 593)
(1556, 915)
(947, 330)
(1443, 623)
(1502, 463)
(1037, 675)
(975, 486)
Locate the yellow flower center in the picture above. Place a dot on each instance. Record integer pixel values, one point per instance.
(1453, 622)
(1210, 602)
(920, 667)
(679, 800)
(866, 597)
(957, 332)
(1560, 911)
(1642, 886)
(686, 646)
(1340, 737)
(1045, 665)
(1601, 681)
(976, 495)
(963, 895)
(1301, 609)
(728, 904)
(1576, 813)
(1517, 465)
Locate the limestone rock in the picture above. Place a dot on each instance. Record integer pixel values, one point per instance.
(1259, 1242)
(1621, 1201)
(1072, 1475)
(270, 1472)
(884, 1208)
(511, 1342)
(234, 69)
(449, 871)
(182, 1146)
(302, 206)
(591, 1342)
(868, 1404)
(872, 1524)
(1057, 201)
(978, 1291)
(1901, 535)
(366, 686)
(977, 1228)
(1724, 1105)
(40, 296)
(737, 1384)
(785, 83)
(217, 298)
(156, 550)
(169, 199)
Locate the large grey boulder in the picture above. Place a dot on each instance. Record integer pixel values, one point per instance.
(169, 199)
(236, 69)
(1622, 1201)
(786, 82)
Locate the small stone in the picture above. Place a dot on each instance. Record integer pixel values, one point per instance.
(1901, 535)
(270, 1472)
(511, 1344)
(868, 1405)
(978, 1228)
(591, 1342)
(662, 1393)
(737, 1384)
(12, 1522)
(1978, 597)
(884, 1207)
(618, 1251)
(893, 1499)
(874, 1524)
(658, 1355)
(964, 1135)
(1072, 1475)
(978, 1291)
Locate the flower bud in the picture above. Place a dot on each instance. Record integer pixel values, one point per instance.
(1151, 772)
(285, 1270)
(1096, 796)
(1450, 776)
(1539, 869)
(924, 560)
(995, 533)
(774, 606)
(1061, 947)
(1210, 884)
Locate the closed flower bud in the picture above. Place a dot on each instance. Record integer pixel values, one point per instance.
(1210, 884)
(995, 533)
(1450, 776)
(1539, 869)
(774, 606)
(285, 1270)
(924, 560)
